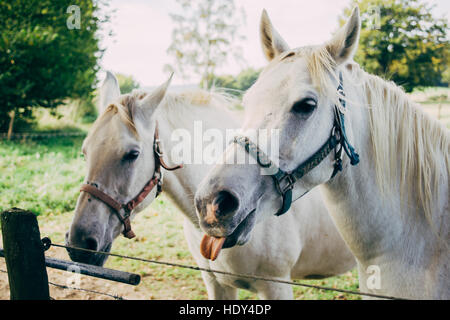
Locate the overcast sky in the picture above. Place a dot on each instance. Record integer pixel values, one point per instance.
(142, 32)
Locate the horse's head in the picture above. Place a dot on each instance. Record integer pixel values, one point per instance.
(295, 94)
(120, 161)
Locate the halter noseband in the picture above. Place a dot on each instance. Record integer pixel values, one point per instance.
(285, 181)
(123, 210)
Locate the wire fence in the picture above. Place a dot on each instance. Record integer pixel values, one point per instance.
(247, 276)
(65, 287)
(40, 135)
(47, 244)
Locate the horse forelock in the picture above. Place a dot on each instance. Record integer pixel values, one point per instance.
(124, 108)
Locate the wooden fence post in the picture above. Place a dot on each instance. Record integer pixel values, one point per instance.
(24, 255)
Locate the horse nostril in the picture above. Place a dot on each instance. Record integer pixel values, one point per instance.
(91, 244)
(226, 203)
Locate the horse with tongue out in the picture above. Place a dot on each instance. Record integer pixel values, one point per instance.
(302, 243)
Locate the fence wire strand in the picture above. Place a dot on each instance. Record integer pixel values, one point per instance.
(178, 265)
(40, 135)
(61, 286)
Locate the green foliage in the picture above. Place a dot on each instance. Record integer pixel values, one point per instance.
(204, 38)
(42, 61)
(402, 41)
(126, 83)
(244, 80)
(43, 177)
(86, 111)
(446, 74)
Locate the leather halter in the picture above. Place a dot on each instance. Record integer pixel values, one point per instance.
(285, 181)
(123, 210)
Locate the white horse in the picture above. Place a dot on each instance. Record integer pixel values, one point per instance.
(392, 208)
(120, 160)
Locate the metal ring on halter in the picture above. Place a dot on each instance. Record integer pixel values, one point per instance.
(157, 147)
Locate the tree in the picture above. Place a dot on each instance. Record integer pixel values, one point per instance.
(237, 85)
(446, 73)
(126, 83)
(45, 55)
(401, 40)
(204, 37)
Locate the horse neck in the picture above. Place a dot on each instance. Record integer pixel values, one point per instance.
(180, 185)
(376, 226)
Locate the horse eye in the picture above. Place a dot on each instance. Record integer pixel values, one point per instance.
(304, 106)
(131, 156)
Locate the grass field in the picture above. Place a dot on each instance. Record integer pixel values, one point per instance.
(44, 177)
(436, 101)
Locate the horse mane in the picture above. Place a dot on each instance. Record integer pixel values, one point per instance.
(178, 108)
(124, 108)
(408, 144)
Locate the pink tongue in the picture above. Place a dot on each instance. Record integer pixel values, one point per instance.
(210, 247)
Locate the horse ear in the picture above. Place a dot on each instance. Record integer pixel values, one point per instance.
(343, 45)
(272, 43)
(152, 100)
(109, 91)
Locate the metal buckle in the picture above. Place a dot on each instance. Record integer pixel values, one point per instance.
(124, 212)
(92, 184)
(157, 148)
(289, 186)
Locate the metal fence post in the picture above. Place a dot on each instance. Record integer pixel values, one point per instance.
(24, 255)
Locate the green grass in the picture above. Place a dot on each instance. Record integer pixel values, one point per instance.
(434, 100)
(41, 175)
(431, 90)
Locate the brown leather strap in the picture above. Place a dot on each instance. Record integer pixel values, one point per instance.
(165, 166)
(160, 154)
(126, 209)
(142, 195)
(116, 206)
(101, 196)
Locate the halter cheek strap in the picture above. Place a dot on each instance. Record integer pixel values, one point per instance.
(123, 210)
(285, 181)
(348, 148)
